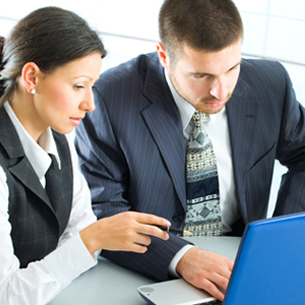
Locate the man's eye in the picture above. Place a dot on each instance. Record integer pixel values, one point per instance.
(199, 76)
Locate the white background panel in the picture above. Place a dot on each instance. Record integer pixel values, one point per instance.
(254, 26)
(294, 9)
(253, 6)
(286, 39)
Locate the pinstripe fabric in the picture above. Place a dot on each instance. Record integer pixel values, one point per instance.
(132, 150)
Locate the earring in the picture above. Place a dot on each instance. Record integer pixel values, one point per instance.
(33, 91)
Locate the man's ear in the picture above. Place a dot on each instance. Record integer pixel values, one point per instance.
(29, 76)
(163, 56)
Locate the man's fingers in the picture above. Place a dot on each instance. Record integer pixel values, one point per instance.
(222, 282)
(206, 270)
(213, 290)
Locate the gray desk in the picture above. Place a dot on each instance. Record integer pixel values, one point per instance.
(110, 284)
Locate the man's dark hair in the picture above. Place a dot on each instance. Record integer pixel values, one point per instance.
(204, 25)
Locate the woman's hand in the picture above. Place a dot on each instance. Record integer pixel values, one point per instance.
(127, 231)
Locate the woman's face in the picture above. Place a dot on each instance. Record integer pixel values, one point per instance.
(64, 97)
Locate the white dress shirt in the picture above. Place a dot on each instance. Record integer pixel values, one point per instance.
(218, 130)
(41, 281)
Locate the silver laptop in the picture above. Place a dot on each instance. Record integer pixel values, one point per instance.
(175, 292)
(269, 269)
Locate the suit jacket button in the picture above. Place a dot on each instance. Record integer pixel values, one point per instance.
(178, 218)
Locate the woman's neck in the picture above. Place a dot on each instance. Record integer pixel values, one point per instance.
(22, 104)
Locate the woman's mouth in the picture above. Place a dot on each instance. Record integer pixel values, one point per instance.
(75, 121)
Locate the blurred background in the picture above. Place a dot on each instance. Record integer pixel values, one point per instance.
(274, 29)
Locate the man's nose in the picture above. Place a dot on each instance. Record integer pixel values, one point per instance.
(219, 88)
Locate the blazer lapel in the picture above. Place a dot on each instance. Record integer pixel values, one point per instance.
(22, 168)
(163, 120)
(242, 112)
(24, 172)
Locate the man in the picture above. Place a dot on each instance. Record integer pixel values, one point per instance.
(133, 147)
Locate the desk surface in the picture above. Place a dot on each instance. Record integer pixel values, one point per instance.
(107, 283)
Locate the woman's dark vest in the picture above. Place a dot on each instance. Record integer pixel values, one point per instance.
(38, 219)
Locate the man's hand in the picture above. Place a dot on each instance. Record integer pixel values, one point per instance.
(206, 270)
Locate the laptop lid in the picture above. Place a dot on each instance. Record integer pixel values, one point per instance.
(269, 269)
(270, 263)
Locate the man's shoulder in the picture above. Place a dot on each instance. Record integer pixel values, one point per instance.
(263, 72)
(263, 66)
(260, 76)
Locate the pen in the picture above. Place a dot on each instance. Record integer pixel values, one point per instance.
(175, 230)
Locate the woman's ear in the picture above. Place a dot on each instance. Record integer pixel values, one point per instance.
(29, 76)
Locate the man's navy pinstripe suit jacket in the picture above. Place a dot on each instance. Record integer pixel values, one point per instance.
(132, 149)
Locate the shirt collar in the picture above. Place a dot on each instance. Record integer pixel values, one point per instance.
(186, 110)
(37, 153)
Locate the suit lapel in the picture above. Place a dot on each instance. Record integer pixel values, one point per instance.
(242, 112)
(163, 120)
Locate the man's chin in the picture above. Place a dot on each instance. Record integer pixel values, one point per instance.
(211, 110)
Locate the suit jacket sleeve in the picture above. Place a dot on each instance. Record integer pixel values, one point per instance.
(291, 153)
(107, 170)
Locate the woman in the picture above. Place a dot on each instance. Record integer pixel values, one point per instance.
(48, 232)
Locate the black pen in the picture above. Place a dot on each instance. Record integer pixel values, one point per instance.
(175, 230)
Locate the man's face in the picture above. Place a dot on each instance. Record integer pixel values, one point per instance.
(206, 80)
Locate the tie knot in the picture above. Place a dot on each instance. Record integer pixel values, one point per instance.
(200, 119)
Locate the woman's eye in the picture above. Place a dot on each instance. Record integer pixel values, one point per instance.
(78, 87)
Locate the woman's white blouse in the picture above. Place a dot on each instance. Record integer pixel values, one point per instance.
(42, 280)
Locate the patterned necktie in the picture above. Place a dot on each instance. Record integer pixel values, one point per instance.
(203, 215)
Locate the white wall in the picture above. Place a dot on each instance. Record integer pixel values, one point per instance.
(273, 29)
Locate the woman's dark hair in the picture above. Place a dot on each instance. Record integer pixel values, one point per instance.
(204, 25)
(50, 37)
